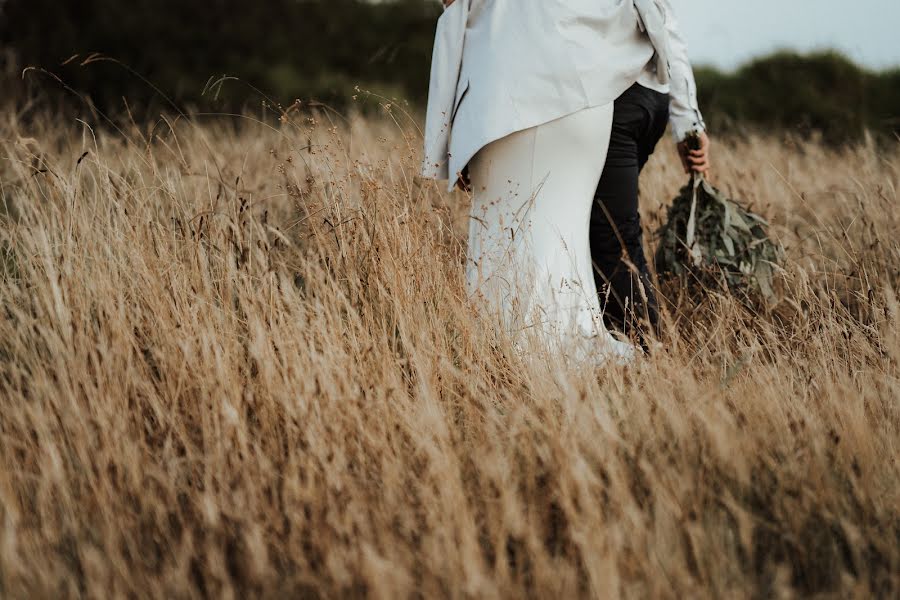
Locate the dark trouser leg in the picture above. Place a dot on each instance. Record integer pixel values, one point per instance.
(620, 266)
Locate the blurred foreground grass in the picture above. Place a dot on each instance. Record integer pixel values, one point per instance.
(240, 361)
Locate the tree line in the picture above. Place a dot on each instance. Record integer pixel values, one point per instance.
(326, 49)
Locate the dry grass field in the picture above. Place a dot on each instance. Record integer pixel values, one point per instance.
(237, 360)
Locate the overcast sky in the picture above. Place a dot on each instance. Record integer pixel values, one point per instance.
(726, 33)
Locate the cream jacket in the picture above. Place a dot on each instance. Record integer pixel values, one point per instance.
(501, 66)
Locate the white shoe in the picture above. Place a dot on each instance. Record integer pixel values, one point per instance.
(623, 354)
(599, 350)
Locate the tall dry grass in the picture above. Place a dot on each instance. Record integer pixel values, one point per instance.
(239, 361)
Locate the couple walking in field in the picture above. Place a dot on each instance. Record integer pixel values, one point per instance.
(547, 110)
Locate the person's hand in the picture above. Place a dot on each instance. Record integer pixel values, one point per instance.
(448, 3)
(695, 161)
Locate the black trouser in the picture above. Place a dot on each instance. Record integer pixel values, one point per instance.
(640, 120)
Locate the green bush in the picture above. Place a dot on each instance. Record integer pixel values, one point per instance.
(823, 92)
(287, 48)
(323, 49)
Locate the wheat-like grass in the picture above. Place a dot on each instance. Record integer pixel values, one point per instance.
(238, 360)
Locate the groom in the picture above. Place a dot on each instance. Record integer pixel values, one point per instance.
(640, 119)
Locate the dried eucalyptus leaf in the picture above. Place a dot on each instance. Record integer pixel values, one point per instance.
(714, 238)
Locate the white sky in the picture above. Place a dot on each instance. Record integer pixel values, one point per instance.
(726, 33)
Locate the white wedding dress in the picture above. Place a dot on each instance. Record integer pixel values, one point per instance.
(522, 93)
(529, 260)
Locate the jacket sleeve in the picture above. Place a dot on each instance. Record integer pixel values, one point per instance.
(684, 110)
(446, 62)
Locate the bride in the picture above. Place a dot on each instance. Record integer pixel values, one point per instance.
(520, 111)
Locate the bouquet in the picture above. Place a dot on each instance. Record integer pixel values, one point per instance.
(713, 239)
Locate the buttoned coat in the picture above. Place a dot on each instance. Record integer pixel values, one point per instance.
(501, 66)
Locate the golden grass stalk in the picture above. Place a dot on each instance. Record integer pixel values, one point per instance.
(239, 361)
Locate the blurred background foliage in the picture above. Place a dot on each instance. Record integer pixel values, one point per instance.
(823, 93)
(286, 48)
(324, 49)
